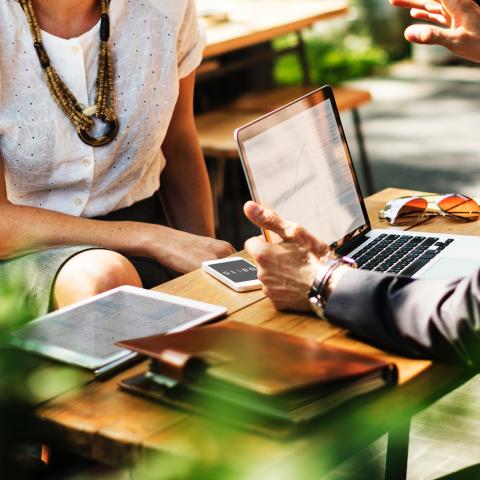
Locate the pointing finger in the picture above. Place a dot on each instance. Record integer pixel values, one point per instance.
(266, 219)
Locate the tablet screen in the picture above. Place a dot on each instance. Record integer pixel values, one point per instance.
(86, 333)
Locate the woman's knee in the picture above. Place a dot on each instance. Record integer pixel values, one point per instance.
(90, 273)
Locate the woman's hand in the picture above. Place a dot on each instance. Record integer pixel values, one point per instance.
(458, 20)
(182, 251)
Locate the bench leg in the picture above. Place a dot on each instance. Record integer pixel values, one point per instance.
(237, 177)
(217, 182)
(302, 55)
(397, 452)
(364, 162)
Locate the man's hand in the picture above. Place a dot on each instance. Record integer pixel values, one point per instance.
(286, 269)
(459, 21)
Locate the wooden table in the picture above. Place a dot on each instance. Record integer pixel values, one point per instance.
(253, 21)
(103, 423)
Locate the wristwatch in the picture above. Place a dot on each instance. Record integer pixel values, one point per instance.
(316, 297)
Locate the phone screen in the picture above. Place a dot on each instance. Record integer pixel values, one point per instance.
(237, 271)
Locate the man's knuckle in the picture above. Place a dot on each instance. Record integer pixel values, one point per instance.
(270, 217)
(294, 231)
(262, 256)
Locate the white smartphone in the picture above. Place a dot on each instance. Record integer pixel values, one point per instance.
(235, 272)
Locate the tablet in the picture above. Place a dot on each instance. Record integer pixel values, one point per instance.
(84, 334)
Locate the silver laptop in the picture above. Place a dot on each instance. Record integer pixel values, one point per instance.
(297, 162)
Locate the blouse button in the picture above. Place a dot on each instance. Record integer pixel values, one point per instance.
(86, 162)
(78, 201)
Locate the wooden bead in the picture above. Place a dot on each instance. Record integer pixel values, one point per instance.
(104, 27)
(105, 94)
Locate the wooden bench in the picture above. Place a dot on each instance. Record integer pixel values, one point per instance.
(215, 128)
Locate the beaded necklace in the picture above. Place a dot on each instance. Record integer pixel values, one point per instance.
(79, 115)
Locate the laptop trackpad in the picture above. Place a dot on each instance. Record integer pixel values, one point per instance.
(451, 268)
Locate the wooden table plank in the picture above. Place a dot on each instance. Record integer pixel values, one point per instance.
(448, 226)
(103, 422)
(252, 22)
(305, 325)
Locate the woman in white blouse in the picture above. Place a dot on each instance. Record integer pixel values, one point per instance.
(58, 193)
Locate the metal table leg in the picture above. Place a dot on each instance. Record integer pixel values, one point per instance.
(364, 162)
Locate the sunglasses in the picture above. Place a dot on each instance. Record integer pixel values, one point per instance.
(404, 210)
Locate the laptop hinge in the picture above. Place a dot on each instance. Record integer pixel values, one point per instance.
(352, 244)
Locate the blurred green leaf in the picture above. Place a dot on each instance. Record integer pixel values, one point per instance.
(331, 61)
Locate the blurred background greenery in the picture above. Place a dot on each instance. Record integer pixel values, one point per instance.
(365, 43)
(15, 397)
(25, 381)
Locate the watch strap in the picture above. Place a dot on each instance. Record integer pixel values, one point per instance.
(324, 272)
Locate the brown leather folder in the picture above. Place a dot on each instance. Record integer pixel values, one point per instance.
(258, 375)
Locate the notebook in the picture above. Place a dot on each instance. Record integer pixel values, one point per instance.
(297, 162)
(251, 376)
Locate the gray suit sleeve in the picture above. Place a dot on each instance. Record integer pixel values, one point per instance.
(422, 318)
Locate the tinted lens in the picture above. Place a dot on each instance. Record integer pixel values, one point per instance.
(404, 210)
(460, 206)
(410, 211)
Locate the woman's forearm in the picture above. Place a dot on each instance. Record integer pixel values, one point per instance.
(25, 228)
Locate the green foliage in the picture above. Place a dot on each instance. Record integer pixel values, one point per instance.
(25, 381)
(331, 61)
(384, 25)
(15, 311)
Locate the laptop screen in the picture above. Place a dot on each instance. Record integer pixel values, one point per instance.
(298, 164)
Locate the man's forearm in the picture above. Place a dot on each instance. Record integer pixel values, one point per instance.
(435, 319)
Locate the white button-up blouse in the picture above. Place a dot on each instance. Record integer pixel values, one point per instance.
(154, 43)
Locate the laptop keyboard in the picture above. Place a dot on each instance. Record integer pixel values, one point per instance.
(399, 254)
